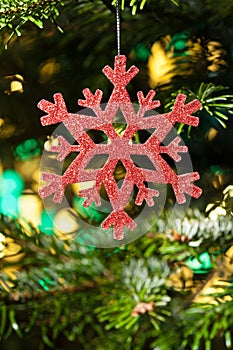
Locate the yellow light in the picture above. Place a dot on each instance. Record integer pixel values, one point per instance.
(212, 133)
(27, 167)
(16, 84)
(30, 207)
(161, 65)
(36, 180)
(10, 253)
(2, 122)
(50, 142)
(48, 69)
(2, 245)
(65, 222)
(76, 188)
(9, 249)
(219, 211)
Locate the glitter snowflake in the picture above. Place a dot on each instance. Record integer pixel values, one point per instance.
(119, 148)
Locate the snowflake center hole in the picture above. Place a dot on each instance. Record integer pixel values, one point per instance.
(97, 162)
(142, 161)
(119, 173)
(97, 136)
(141, 136)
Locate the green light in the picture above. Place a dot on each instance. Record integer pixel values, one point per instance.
(141, 52)
(179, 43)
(201, 265)
(43, 285)
(11, 186)
(216, 170)
(90, 213)
(28, 149)
(46, 225)
(9, 205)
(11, 183)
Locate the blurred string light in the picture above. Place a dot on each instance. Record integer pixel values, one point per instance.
(200, 265)
(27, 161)
(28, 149)
(215, 54)
(52, 141)
(90, 214)
(11, 187)
(221, 207)
(29, 170)
(140, 52)
(46, 224)
(15, 84)
(7, 128)
(48, 69)
(66, 223)
(8, 248)
(218, 281)
(218, 176)
(10, 252)
(19, 199)
(30, 207)
(161, 64)
(181, 55)
(18, 187)
(181, 278)
(2, 245)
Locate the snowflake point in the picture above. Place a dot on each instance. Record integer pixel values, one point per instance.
(182, 113)
(55, 185)
(91, 194)
(91, 100)
(118, 219)
(147, 101)
(56, 112)
(173, 149)
(146, 194)
(185, 186)
(119, 76)
(64, 148)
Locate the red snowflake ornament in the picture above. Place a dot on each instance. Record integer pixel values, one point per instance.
(119, 147)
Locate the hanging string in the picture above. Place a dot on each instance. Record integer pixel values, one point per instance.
(118, 29)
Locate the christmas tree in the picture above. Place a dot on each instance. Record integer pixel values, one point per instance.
(172, 287)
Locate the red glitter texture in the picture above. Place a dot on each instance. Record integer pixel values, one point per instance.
(119, 147)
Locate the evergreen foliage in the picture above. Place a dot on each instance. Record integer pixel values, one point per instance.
(89, 295)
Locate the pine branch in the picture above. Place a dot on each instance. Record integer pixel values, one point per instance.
(28, 6)
(15, 15)
(199, 325)
(57, 280)
(16, 297)
(109, 6)
(137, 4)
